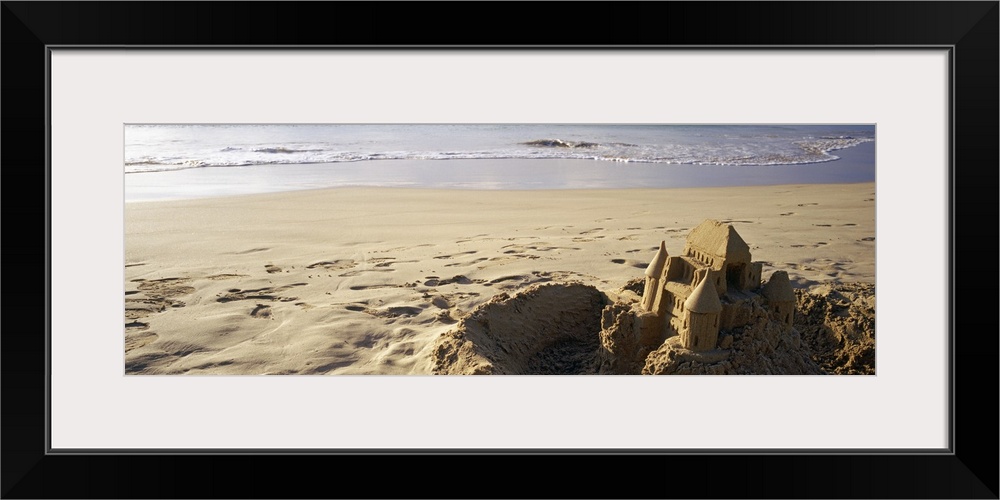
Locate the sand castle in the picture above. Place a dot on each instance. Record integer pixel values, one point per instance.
(699, 293)
(705, 311)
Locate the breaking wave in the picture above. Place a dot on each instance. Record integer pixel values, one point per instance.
(695, 146)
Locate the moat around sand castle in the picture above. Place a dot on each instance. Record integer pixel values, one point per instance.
(704, 311)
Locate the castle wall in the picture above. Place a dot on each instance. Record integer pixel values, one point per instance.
(703, 332)
(661, 304)
(735, 314)
(782, 312)
(756, 270)
(649, 329)
(675, 269)
(649, 294)
(718, 279)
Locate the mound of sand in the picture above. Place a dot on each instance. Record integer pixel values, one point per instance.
(545, 329)
(837, 322)
(577, 329)
(762, 347)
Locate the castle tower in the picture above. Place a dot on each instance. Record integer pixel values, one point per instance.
(701, 317)
(780, 298)
(654, 274)
(719, 247)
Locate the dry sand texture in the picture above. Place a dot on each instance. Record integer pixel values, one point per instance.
(363, 280)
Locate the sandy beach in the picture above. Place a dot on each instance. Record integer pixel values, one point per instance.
(363, 280)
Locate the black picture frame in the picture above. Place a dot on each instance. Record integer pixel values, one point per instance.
(969, 29)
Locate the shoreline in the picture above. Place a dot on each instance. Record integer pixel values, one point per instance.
(856, 164)
(362, 280)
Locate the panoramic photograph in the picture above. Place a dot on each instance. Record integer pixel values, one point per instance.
(499, 249)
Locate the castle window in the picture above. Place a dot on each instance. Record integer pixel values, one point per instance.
(696, 341)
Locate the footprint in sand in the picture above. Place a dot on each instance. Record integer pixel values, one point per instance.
(448, 305)
(252, 250)
(402, 249)
(135, 339)
(334, 265)
(511, 255)
(455, 280)
(271, 269)
(633, 263)
(388, 261)
(471, 238)
(508, 278)
(542, 246)
(359, 272)
(545, 276)
(267, 293)
(807, 204)
(472, 263)
(374, 287)
(154, 296)
(217, 277)
(262, 311)
(396, 312)
(470, 252)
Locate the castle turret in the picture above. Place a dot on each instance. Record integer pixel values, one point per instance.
(701, 321)
(654, 274)
(780, 298)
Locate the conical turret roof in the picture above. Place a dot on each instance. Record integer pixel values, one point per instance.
(704, 298)
(655, 268)
(778, 288)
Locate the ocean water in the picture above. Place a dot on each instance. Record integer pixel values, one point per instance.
(184, 161)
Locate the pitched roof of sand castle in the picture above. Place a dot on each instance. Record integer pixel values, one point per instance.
(704, 298)
(719, 239)
(778, 288)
